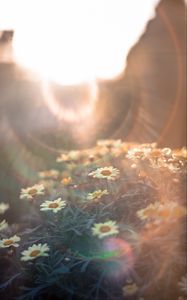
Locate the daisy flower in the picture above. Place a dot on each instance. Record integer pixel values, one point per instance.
(180, 153)
(105, 229)
(101, 151)
(66, 180)
(149, 211)
(62, 157)
(70, 156)
(171, 210)
(3, 207)
(167, 152)
(35, 251)
(156, 153)
(109, 173)
(3, 225)
(130, 288)
(96, 195)
(183, 284)
(49, 174)
(54, 205)
(162, 211)
(11, 241)
(31, 192)
(109, 143)
(138, 153)
(174, 164)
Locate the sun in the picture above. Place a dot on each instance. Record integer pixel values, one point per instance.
(75, 41)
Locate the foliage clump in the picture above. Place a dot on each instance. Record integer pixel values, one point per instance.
(105, 223)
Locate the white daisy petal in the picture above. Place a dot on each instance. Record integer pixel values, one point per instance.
(35, 251)
(11, 241)
(55, 205)
(31, 192)
(105, 229)
(109, 173)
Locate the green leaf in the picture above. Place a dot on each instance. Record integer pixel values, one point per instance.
(8, 282)
(61, 270)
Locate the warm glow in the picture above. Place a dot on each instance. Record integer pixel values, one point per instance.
(69, 114)
(73, 41)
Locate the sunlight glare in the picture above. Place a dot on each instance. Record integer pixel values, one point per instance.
(70, 41)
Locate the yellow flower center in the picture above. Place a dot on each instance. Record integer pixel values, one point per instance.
(149, 212)
(97, 194)
(138, 153)
(155, 153)
(32, 192)
(35, 253)
(8, 242)
(53, 205)
(66, 180)
(105, 228)
(164, 213)
(106, 172)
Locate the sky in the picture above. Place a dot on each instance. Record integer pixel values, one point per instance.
(73, 41)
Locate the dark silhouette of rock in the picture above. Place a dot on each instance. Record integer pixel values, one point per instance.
(152, 87)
